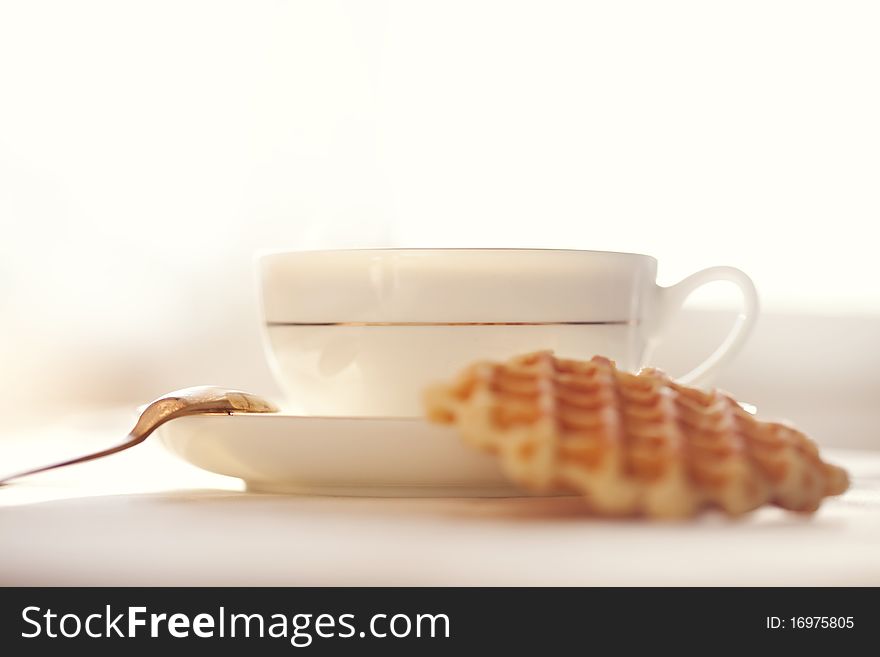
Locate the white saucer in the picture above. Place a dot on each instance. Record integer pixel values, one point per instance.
(386, 457)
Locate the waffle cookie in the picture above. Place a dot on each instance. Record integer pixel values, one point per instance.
(631, 443)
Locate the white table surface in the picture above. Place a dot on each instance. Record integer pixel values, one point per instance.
(145, 518)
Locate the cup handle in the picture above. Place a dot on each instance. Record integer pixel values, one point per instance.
(672, 299)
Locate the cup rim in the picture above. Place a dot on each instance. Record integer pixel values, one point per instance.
(266, 253)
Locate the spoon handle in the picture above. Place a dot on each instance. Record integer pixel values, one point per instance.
(200, 400)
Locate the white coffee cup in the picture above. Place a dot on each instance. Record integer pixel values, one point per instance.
(362, 332)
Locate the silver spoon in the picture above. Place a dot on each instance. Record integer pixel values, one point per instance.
(200, 400)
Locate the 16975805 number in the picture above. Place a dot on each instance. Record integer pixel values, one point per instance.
(821, 622)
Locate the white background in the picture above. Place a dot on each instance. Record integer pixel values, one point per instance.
(148, 148)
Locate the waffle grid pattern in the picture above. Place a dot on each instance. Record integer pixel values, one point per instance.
(631, 443)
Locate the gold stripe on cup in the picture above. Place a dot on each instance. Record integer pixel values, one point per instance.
(621, 322)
